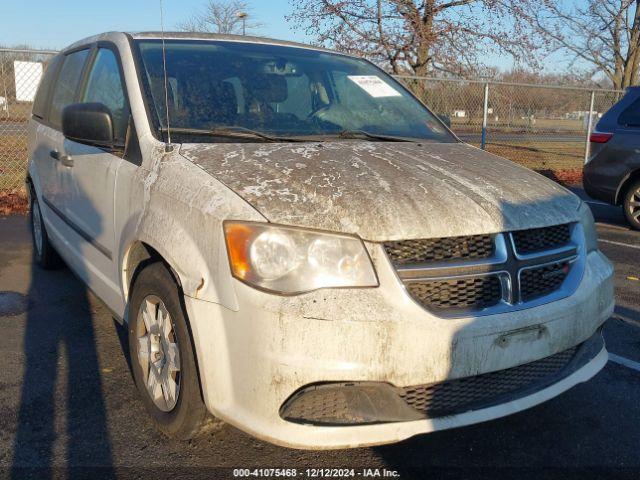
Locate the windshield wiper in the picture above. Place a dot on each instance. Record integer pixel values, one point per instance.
(232, 132)
(372, 136)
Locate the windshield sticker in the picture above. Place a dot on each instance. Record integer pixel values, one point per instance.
(374, 86)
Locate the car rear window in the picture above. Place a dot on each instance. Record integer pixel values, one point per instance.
(630, 117)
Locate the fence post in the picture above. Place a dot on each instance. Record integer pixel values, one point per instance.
(485, 110)
(5, 106)
(589, 126)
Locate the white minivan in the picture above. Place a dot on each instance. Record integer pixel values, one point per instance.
(299, 247)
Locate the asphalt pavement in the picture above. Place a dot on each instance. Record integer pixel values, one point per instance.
(68, 406)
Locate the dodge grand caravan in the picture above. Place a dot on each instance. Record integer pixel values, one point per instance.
(300, 248)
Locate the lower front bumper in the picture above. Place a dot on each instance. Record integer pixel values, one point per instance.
(361, 403)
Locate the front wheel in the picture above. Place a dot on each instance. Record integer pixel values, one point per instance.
(162, 357)
(631, 205)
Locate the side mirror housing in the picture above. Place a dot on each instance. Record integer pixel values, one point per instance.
(88, 123)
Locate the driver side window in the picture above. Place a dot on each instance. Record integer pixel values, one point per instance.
(105, 86)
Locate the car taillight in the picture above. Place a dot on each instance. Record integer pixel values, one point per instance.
(600, 137)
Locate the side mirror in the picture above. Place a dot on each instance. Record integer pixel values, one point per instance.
(89, 123)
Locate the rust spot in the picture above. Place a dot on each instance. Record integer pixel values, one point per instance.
(200, 287)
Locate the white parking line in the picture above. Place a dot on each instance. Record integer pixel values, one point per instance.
(620, 244)
(625, 362)
(613, 227)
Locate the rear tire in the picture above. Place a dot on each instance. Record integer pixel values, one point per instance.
(44, 253)
(631, 205)
(162, 357)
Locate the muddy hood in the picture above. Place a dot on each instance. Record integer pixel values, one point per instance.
(386, 191)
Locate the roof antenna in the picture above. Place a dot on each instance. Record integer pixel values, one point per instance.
(164, 70)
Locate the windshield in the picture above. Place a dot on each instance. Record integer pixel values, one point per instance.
(280, 92)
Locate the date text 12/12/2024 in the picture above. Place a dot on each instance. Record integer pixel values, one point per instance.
(314, 473)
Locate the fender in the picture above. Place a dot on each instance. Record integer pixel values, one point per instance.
(177, 209)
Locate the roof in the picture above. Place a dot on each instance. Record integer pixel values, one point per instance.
(198, 36)
(223, 37)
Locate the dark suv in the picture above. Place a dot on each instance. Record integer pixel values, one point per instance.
(612, 172)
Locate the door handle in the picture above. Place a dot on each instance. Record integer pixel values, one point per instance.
(63, 158)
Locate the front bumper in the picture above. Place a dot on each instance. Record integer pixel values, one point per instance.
(361, 403)
(251, 361)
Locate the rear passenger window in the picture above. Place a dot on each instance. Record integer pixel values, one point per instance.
(105, 86)
(67, 84)
(631, 116)
(40, 102)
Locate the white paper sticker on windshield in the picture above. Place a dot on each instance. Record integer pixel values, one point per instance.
(374, 86)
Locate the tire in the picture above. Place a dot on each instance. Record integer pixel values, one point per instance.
(169, 385)
(44, 253)
(631, 205)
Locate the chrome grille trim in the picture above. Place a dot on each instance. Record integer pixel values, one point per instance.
(508, 265)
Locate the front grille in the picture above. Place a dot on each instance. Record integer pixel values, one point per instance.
(460, 294)
(406, 252)
(486, 274)
(537, 282)
(464, 394)
(538, 239)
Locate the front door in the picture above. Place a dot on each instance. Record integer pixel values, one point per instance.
(91, 177)
(50, 172)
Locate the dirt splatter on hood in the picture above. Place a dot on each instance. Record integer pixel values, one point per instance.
(386, 191)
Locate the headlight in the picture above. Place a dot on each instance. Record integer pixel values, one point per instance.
(589, 227)
(291, 260)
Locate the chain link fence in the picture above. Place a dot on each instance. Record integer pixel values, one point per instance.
(20, 74)
(541, 127)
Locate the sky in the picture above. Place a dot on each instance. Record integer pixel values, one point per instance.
(53, 24)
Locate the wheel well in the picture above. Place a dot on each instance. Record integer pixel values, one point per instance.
(140, 255)
(626, 183)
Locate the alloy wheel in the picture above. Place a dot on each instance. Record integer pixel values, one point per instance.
(158, 353)
(634, 205)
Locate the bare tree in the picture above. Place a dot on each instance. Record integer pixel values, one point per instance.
(604, 34)
(418, 36)
(221, 17)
